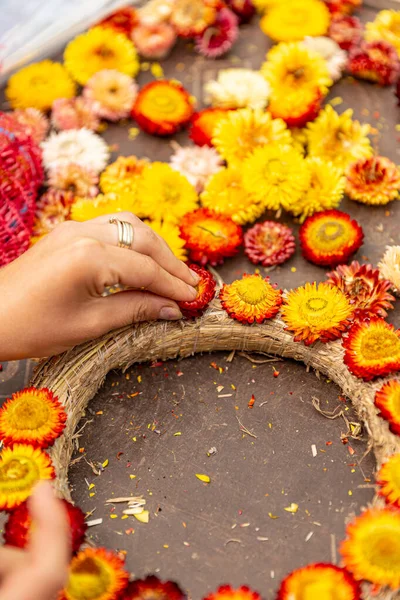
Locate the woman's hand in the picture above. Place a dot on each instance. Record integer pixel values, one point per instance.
(40, 571)
(51, 296)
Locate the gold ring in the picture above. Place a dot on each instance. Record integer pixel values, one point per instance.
(125, 233)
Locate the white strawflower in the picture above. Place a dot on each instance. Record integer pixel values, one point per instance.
(389, 267)
(196, 163)
(155, 12)
(336, 58)
(79, 146)
(238, 88)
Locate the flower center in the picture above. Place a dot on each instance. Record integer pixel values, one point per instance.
(252, 290)
(88, 580)
(316, 304)
(383, 550)
(105, 52)
(396, 406)
(164, 104)
(376, 345)
(330, 231)
(213, 229)
(14, 470)
(317, 588)
(29, 413)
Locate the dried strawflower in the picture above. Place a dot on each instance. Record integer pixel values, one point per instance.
(170, 233)
(197, 164)
(296, 108)
(251, 299)
(32, 416)
(346, 31)
(368, 294)
(124, 20)
(191, 17)
(243, 9)
(338, 138)
(373, 181)
(203, 125)
(330, 237)
(74, 178)
(152, 588)
(155, 41)
(372, 349)
(52, 208)
(90, 208)
(372, 548)
(21, 467)
(33, 122)
(210, 237)
(387, 400)
(342, 7)
(18, 528)
(205, 293)
(242, 131)
(335, 57)
(296, 20)
(112, 93)
(388, 479)
(238, 88)
(74, 114)
(154, 12)
(316, 312)
(225, 194)
(269, 243)
(122, 175)
(385, 27)
(389, 267)
(98, 49)
(38, 85)
(219, 37)
(375, 61)
(319, 581)
(226, 592)
(163, 107)
(79, 146)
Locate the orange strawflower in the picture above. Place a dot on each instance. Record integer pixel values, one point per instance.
(205, 293)
(388, 480)
(251, 299)
(226, 592)
(387, 399)
(373, 181)
(203, 124)
(319, 582)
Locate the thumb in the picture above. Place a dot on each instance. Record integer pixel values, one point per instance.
(125, 308)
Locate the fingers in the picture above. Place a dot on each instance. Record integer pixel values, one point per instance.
(134, 270)
(11, 559)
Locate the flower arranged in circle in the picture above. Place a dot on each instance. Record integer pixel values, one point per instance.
(298, 19)
(33, 121)
(162, 107)
(251, 299)
(38, 85)
(122, 175)
(346, 31)
(74, 178)
(389, 267)
(97, 49)
(225, 194)
(367, 292)
(191, 17)
(196, 163)
(80, 146)
(52, 208)
(372, 349)
(97, 574)
(316, 312)
(152, 588)
(124, 20)
(277, 176)
(165, 194)
(385, 27)
(154, 41)
(171, 234)
(84, 209)
(243, 131)
(209, 236)
(226, 592)
(335, 57)
(338, 138)
(219, 38)
(203, 125)
(374, 180)
(293, 67)
(325, 190)
(319, 581)
(269, 243)
(375, 61)
(296, 108)
(205, 293)
(112, 93)
(388, 479)
(330, 237)
(238, 88)
(32, 416)
(387, 399)
(74, 113)
(18, 527)
(372, 548)
(21, 467)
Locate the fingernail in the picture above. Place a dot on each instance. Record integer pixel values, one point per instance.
(195, 276)
(169, 313)
(193, 291)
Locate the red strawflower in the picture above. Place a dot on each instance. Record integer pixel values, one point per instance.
(206, 292)
(210, 237)
(17, 529)
(397, 91)
(387, 400)
(219, 38)
(375, 61)
(346, 31)
(123, 20)
(152, 588)
(269, 243)
(243, 9)
(342, 7)
(226, 592)
(203, 124)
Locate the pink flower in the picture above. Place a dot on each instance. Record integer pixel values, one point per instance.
(74, 113)
(219, 37)
(154, 42)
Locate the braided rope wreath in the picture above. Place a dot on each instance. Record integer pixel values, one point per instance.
(76, 375)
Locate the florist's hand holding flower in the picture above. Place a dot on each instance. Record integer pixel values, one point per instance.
(39, 572)
(52, 296)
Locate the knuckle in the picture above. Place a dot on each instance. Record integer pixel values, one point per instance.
(84, 250)
(150, 271)
(141, 309)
